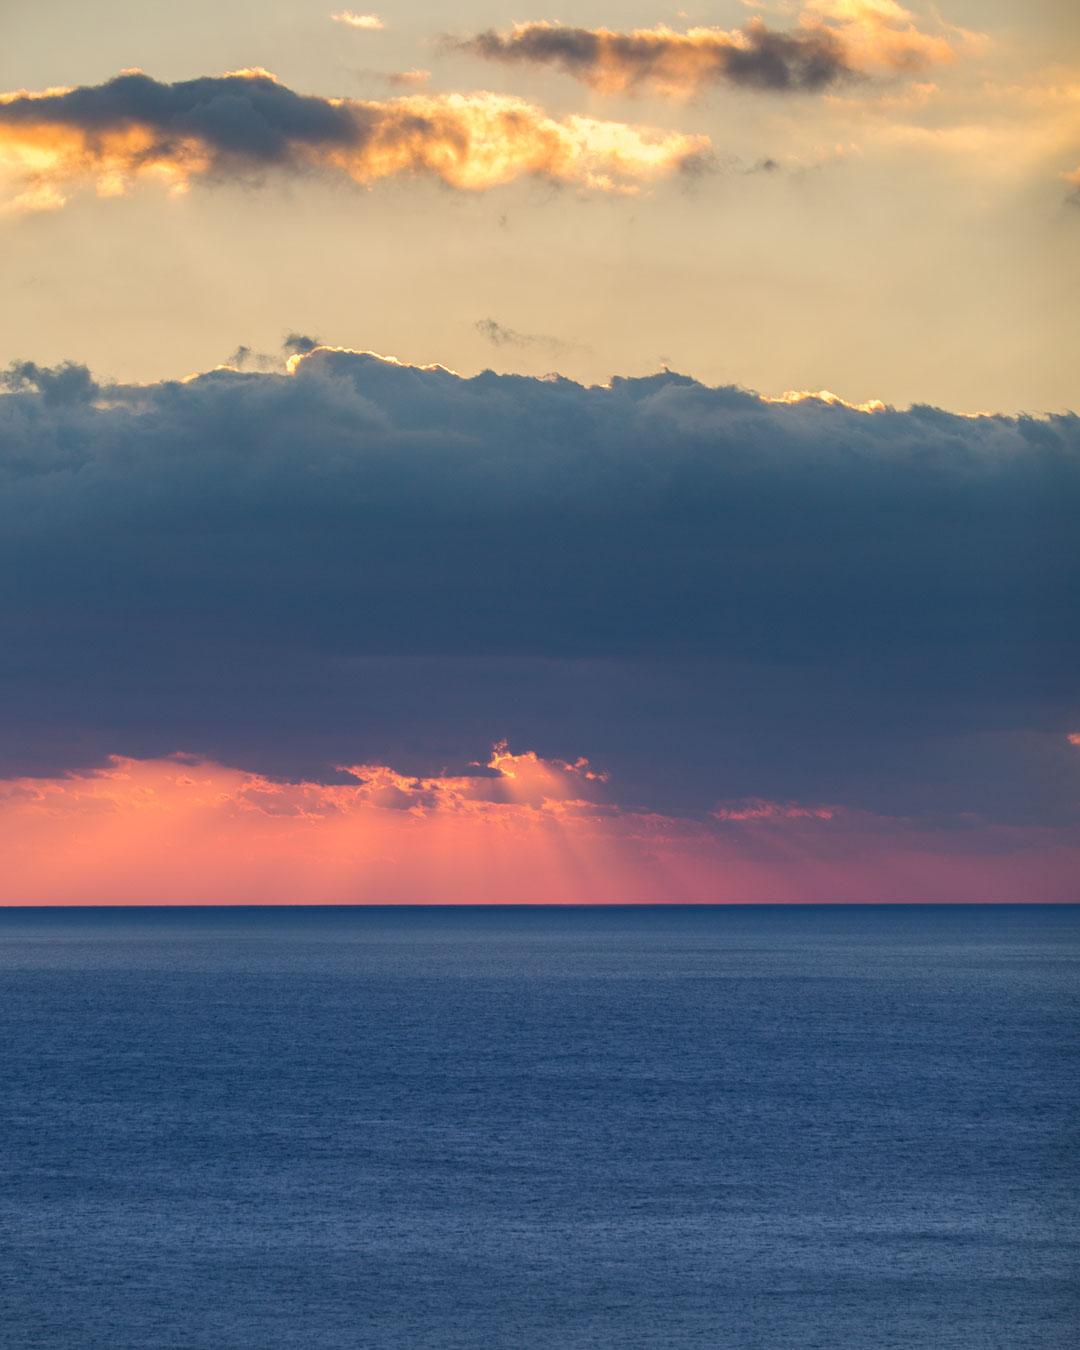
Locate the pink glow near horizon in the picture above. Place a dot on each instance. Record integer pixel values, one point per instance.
(183, 830)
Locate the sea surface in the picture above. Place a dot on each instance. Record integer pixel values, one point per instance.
(485, 1127)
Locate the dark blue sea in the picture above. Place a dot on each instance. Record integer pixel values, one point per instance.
(731, 1127)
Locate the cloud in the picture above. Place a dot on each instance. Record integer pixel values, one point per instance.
(408, 79)
(371, 22)
(991, 130)
(246, 358)
(827, 397)
(68, 383)
(669, 62)
(756, 810)
(299, 344)
(245, 124)
(835, 40)
(500, 336)
(184, 829)
(882, 36)
(714, 596)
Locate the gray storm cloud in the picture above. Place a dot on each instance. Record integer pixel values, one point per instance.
(363, 561)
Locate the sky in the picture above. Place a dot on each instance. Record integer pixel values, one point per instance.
(478, 456)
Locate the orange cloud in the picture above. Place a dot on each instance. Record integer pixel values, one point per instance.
(521, 828)
(246, 123)
(881, 35)
(479, 141)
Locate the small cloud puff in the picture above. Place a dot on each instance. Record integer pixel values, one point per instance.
(370, 22)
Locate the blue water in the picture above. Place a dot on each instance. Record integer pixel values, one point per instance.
(821, 1127)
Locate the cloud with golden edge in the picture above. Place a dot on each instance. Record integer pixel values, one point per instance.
(834, 40)
(246, 123)
(826, 397)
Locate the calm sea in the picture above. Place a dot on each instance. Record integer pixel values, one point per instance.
(733, 1127)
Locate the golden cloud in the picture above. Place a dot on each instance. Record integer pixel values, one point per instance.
(881, 35)
(245, 123)
(371, 22)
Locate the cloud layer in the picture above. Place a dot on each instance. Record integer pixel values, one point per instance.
(714, 596)
(185, 830)
(835, 40)
(245, 124)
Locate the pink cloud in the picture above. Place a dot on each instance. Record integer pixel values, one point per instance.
(529, 829)
(757, 809)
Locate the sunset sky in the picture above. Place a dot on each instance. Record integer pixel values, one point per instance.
(478, 454)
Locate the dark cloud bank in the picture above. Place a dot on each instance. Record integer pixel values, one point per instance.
(246, 117)
(712, 596)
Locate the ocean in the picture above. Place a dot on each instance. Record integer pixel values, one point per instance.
(515, 1127)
